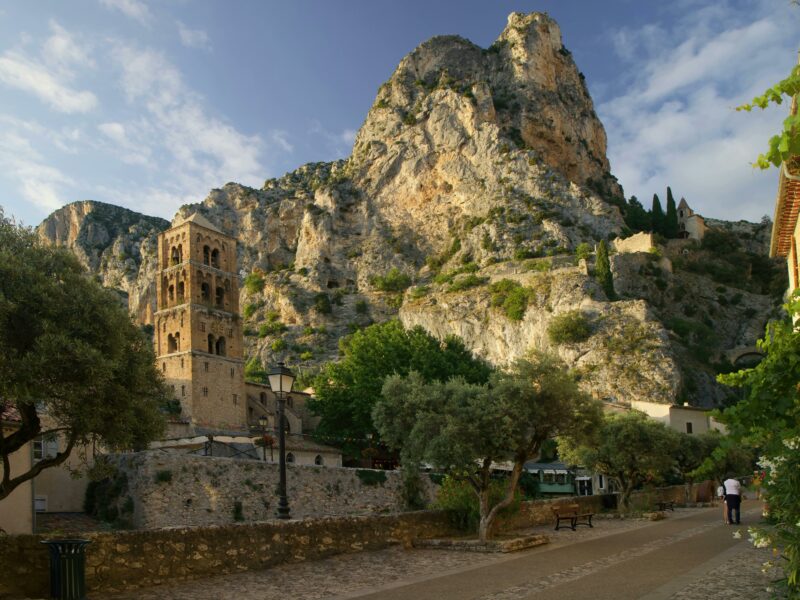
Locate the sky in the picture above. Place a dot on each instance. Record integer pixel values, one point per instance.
(149, 104)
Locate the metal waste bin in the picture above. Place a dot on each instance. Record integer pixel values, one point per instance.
(67, 568)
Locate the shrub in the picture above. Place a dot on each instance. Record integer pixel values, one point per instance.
(583, 251)
(409, 119)
(278, 345)
(371, 477)
(163, 476)
(419, 291)
(250, 309)
(307, 355)
(467, 282)
(511, 296)
(271, 328)
(461, 503)
(393, 281)
(569, 328)
(323, 303)
(362, 307)
(254, 283)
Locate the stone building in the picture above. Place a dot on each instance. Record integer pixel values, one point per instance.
(199, 347)
(198, 330)
(690, 224)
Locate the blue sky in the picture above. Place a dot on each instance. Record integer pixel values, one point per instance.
(151, 103)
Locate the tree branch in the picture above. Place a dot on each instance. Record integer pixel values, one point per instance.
(8, 485)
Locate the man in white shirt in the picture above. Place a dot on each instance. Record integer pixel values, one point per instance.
(733, 498)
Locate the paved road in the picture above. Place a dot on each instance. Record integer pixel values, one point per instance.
(689, 556)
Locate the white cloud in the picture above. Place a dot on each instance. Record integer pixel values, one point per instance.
(133, 9)
(281, 139)
(50, 78)
(674, 122)
(19, 72)
(339, 144)
(200, 151)
(38, 182)
(193, 38)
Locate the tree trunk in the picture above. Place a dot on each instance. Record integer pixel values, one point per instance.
(625, 498)
(488, 517)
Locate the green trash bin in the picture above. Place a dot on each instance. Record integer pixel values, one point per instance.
(67, 569)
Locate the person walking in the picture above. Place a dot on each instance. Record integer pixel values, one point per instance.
(721, 496)
(733, 498)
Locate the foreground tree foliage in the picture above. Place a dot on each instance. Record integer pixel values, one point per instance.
(465, 429)
(72, 363)
(629, 448)
(768, 419)
(346, 391)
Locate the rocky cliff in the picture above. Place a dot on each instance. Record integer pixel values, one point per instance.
(474, 178)
(116, 244)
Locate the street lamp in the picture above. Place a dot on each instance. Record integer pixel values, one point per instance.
(262, 420)
(280, 381)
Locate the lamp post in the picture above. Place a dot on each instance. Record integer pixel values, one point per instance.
(262, 420)
(281, 380)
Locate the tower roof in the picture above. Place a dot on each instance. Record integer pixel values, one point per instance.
(683, 203)
(199, 219)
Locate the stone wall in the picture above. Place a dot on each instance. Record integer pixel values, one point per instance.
(124, 560)
(639, 242)
(172, 489)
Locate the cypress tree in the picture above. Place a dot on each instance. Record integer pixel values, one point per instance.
(671, 219)
(636, 217)
(602, 270)
(657, 215)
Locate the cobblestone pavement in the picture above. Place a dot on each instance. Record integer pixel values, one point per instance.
(350, 576)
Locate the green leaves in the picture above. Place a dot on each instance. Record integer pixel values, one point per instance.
(787, 143)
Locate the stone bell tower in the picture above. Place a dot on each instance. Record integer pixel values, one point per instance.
(198, 332)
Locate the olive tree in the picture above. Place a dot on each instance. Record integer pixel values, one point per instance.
(467, 429)
(72, 362)
(630, 449)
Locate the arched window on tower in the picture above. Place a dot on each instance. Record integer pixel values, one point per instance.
(171, 293)
(206, 255)
(220, 345)
(289, 457)
(164, 288)
(220, 297)
(215, 258)
(172, 346)
(178, 341)
(181, 290)
(318, 460)
(211, 347)
(205, 292)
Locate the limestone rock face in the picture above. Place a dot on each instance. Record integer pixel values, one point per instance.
(472, 166)
(116, 244)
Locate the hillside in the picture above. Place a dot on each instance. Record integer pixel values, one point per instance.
(474, 178)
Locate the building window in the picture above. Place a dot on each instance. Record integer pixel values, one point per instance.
(183, 390)
(230, 332)
(181, 363)
(45, 447)
(235, 399)
(163, 367)
(233, 372)
(206, 367)
(318, 460)
(202, 326)
(289, 457)
(205, 391)
(688, 428)
(263, 398)
(600, 483)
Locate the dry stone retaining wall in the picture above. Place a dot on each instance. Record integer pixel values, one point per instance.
(173, 489)
(125, 560)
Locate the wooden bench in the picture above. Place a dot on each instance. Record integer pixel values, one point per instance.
(573, 514)
(666, 505)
